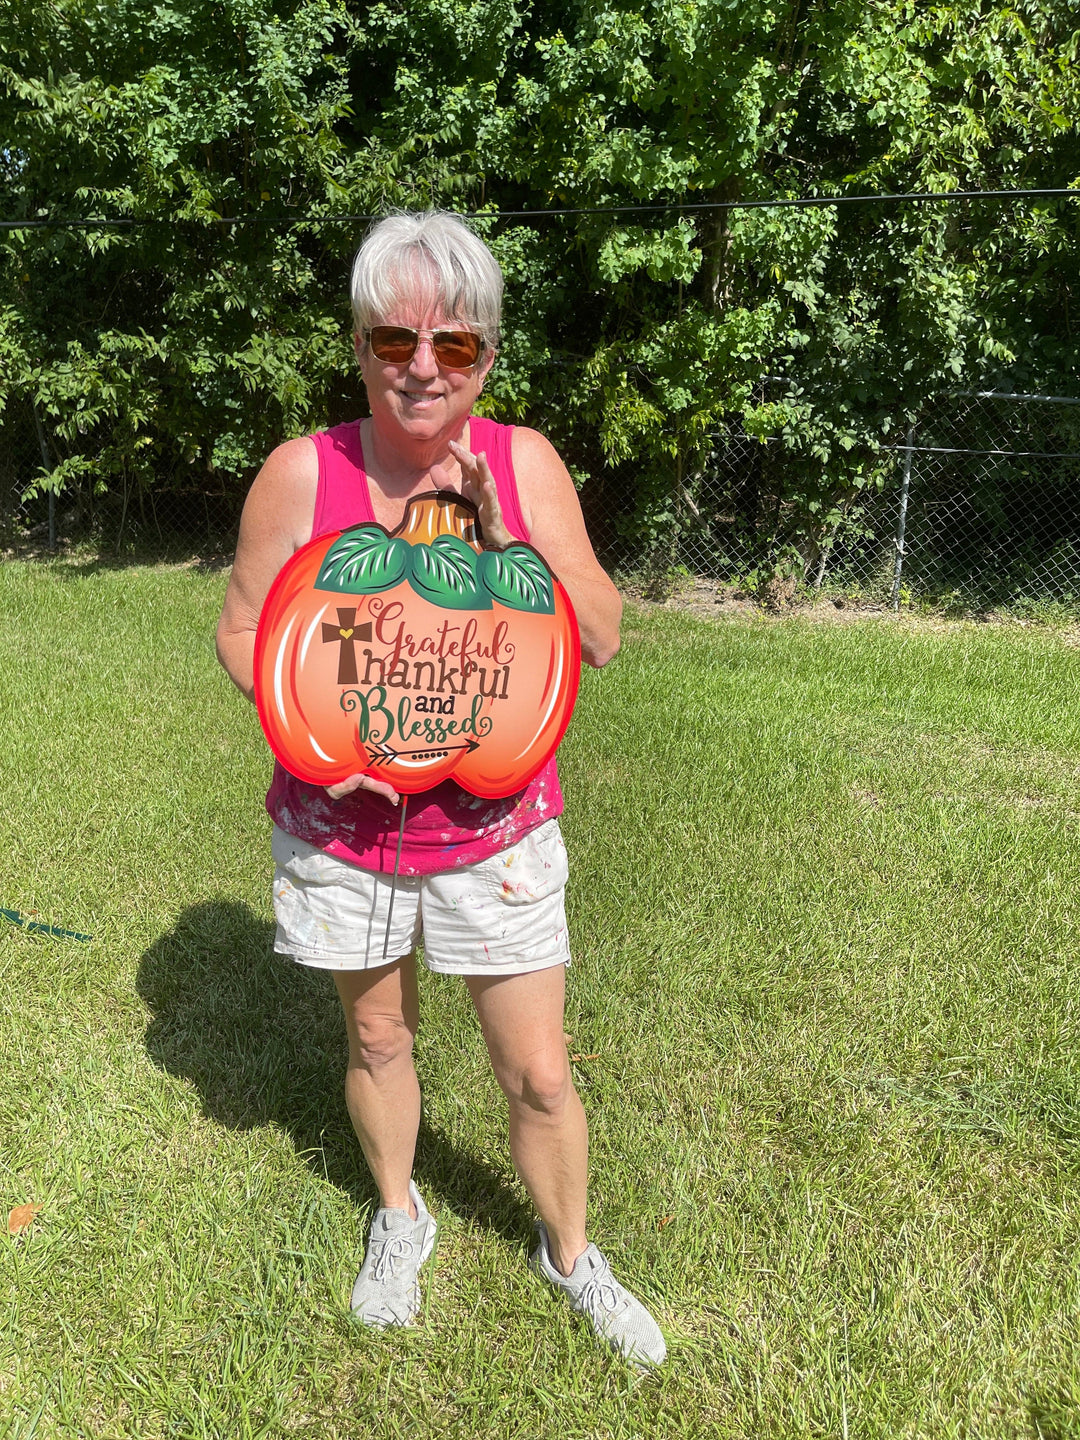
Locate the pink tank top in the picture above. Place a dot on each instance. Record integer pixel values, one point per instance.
(445, 827)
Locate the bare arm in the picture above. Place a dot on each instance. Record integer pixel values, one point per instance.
(552, 512)
(277, 520)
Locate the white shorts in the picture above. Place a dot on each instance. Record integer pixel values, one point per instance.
(504, 916)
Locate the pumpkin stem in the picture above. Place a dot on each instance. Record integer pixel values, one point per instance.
(439, 512)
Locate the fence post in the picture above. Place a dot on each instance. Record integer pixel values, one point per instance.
(901, 523)
(48, 466)
(826, 551)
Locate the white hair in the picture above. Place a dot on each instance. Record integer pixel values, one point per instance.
(430, 258)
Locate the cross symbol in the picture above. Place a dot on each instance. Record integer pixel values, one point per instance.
(346, 632)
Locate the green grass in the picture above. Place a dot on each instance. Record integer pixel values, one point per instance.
(826, 921)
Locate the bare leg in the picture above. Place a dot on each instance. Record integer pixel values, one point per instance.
(522, 1020)
(381, 1088)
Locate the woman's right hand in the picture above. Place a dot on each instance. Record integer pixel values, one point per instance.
(362, 782)
(478, 485)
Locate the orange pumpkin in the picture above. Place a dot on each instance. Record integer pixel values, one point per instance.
(417, 655)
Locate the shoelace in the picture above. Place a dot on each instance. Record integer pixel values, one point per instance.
(600, 1292)
(390, 1252)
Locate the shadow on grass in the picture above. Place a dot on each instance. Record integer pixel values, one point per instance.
(79, 558)
(263, 1042)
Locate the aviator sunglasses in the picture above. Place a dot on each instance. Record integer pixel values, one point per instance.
(396, 345)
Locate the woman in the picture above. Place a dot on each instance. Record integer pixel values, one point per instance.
(426, 297)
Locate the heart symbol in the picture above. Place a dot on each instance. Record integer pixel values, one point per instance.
(346, 634)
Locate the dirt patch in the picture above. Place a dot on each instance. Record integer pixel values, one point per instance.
(714, 600)
(80, 554)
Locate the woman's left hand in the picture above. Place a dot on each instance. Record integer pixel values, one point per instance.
(478, 485)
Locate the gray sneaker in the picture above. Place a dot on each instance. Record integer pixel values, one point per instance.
(387, 1290)
(614, 1313)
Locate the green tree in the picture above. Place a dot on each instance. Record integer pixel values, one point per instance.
(648, 331)
(190, 346)
(175, 345)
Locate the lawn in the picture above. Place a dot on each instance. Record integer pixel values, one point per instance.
(823, 1012)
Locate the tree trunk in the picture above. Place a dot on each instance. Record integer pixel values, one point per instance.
(716, 245)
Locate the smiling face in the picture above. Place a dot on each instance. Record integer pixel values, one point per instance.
(422, 400)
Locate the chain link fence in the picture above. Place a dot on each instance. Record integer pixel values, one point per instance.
(978, 508)
(24, 516)
(987, 512)
(196, 519)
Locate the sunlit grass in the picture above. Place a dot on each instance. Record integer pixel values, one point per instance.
(825, 916)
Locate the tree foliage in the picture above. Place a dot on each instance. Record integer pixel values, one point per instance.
(190, 346)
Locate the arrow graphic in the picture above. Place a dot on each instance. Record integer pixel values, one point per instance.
(383, 754)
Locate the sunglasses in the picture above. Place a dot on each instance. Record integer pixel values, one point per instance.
(396, 345)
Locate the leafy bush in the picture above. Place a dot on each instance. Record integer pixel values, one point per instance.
(178, 349)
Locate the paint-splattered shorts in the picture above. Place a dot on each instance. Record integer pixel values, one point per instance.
(504, 916)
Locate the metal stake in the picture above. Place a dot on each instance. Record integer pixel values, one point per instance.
(394, 877)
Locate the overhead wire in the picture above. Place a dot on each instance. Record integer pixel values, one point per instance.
(679, 207)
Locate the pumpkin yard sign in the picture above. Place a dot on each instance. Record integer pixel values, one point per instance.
(417, 656)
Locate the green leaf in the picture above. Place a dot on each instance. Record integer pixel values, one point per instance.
(444, 572)
(363, 561)
(518, 577)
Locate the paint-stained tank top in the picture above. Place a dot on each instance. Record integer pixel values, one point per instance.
(445, 826)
